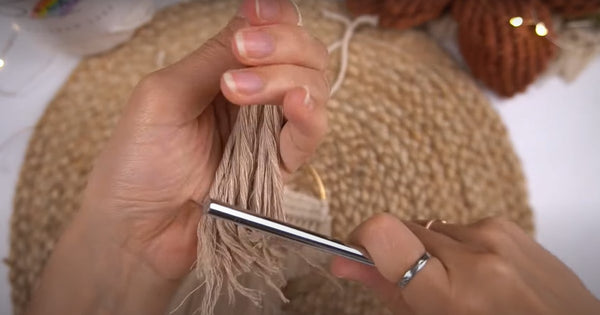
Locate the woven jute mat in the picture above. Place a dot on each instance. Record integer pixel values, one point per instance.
(410, 134)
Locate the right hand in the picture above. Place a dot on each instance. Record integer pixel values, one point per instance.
(489, 267)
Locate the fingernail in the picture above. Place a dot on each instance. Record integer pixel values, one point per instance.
(268, 10)
(243, 81)
(307, 100)
(254, 44)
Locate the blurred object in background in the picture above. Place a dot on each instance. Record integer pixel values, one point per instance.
(579, 42)
(574, 8)
(22, 61)
(399, 14)
(506, 44)
(78, 27)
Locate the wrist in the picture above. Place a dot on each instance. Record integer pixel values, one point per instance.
(126, 284)
(98, 275)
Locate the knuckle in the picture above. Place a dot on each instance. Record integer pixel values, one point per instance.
(223, 38)
(496, 223)
(493, 231)
(150, 82)
(150, 87)
(508, 226)
(319, 51)
(377, 227)
(150, 92)
(215, 45)
(382, 220)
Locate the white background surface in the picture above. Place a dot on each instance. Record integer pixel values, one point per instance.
(555, 129)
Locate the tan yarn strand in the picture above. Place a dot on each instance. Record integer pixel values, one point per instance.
(249, 177)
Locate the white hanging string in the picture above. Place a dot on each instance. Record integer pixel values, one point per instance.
(344, 43)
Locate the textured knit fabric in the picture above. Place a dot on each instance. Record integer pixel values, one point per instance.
(506, 58)
(400, 14)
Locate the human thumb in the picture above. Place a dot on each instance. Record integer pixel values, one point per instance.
(182, 91)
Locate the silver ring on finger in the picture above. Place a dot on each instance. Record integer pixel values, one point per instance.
(412, 272)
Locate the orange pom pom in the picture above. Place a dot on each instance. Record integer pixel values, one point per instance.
(505, 43)
(400, 14)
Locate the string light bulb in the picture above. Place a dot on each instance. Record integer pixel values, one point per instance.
(516, 21)
(2, 63)
(541, 29)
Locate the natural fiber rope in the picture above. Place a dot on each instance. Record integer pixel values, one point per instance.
(410, 134)
(248, 177)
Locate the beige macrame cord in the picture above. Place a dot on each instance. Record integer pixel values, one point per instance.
(248, 176)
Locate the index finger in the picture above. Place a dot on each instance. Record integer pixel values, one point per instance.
(395, 249)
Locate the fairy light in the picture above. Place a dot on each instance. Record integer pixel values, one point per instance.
(516, 21)
(541, 29)
(2, 63)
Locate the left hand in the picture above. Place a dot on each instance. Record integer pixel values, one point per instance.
(169, 141)
(137, 224)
